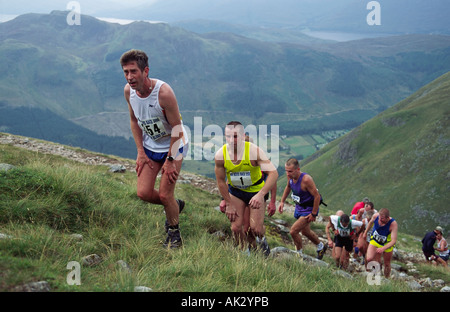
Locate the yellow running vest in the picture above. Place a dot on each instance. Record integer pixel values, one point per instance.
(243, 176)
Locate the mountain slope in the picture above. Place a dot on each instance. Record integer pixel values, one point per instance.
(400, 159)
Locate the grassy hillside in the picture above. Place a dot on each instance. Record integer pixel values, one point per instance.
(399, 159)
(47, 198)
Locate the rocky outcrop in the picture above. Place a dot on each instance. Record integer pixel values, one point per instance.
(117, 165)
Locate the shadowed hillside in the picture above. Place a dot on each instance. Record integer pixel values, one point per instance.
(399, 159)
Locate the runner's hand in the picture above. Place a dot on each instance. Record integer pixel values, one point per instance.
(170, 169)
(280, 208)
(231, 213)
(310, 218)
(271, 209)
(256, 201)
(223, 205)
(141, 160)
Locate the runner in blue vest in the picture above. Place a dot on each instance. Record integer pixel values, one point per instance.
(383, 239)
(307, 201)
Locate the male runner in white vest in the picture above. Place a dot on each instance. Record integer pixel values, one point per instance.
(160, 138)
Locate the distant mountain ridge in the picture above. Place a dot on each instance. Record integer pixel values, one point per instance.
(397, 17)
(74, 71)
(52, 69)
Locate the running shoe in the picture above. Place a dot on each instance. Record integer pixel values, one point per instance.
(173, 239)
(263, 245)
(321, 252)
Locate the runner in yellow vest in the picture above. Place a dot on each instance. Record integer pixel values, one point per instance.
(240, 163)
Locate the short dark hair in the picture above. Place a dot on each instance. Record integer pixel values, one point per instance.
(384, 212)
(345, 219)
(292, 162)
(234, 124)
(137, 56)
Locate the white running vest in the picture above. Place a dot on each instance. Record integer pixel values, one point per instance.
(151, 119)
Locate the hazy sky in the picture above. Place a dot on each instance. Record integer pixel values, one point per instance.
(402, 16)
(175, 9)
(16, 7)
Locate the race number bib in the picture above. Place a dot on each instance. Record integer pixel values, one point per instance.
(154, 128)
(380, 239)
(344, 232)
(241, 180)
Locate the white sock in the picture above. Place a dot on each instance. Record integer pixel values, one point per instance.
(319, 246)
(261, 240)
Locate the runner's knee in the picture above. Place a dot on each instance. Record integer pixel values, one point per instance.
(293, 232)
(236, 228)
(145, 196)
(165, 197)
(257, 230)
